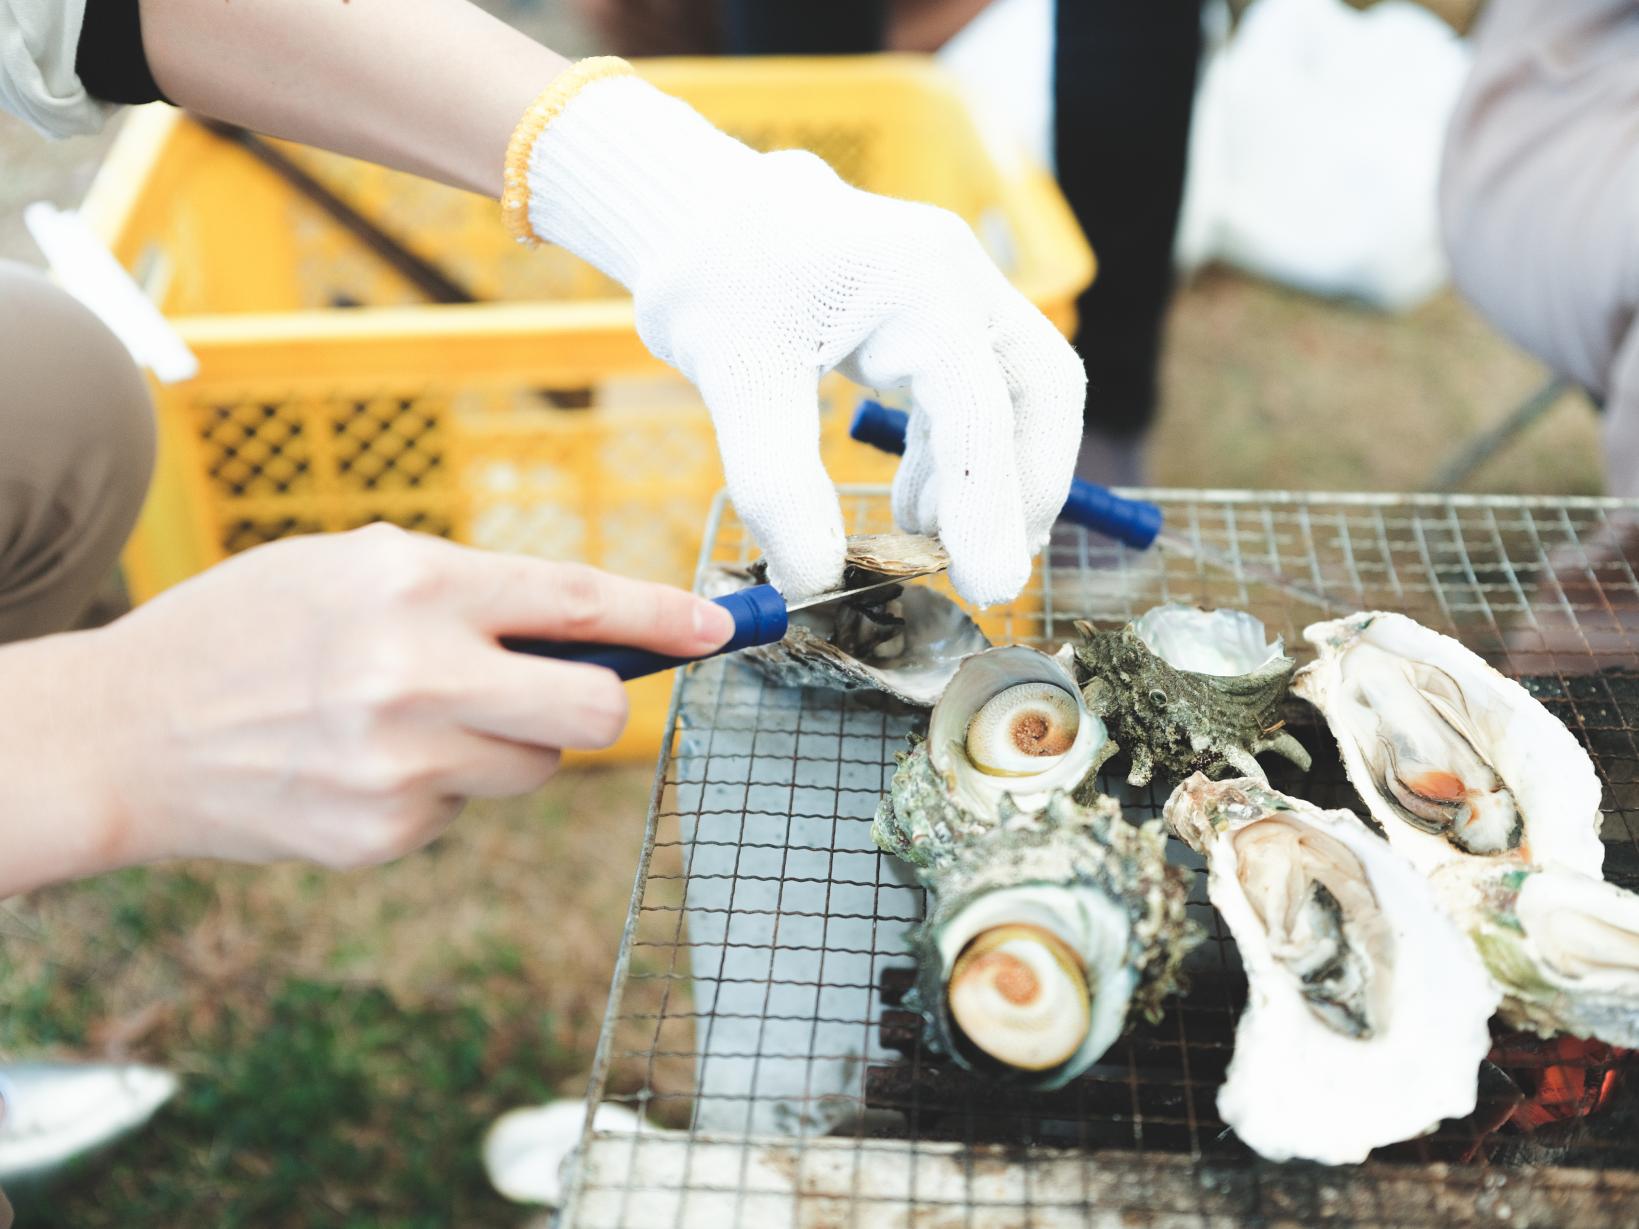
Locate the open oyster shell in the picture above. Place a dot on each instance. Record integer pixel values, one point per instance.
(1184, 691)
(1563, 946)
(1010, 730)
(904, 641)
(1044, 936)
(1454, 760)
(1367, 1010)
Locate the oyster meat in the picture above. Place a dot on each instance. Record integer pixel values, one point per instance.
(1044, 935)
(1563, 946)
(1453, 759)
(1184, 691)
(906, 641)
(1009, 731)
(1366, 1016)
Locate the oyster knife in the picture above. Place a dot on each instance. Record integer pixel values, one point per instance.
(760, 617)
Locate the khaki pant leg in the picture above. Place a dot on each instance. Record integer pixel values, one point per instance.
(76, 453)
(1540, 196)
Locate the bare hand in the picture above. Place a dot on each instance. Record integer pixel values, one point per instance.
(337, 698)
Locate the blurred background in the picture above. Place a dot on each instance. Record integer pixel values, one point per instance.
(417, 1001)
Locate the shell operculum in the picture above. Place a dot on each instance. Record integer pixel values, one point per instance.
(1019, 994)
(1011, 729)
(1023, 729)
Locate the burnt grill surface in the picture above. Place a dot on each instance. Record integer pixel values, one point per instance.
(764, 965)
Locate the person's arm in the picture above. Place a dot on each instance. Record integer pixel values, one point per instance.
(329, 698)
(752, 274)
(434, 87)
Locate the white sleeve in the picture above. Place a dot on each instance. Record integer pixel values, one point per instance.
(38, 84)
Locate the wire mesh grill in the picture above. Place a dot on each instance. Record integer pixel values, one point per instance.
(755, 1017)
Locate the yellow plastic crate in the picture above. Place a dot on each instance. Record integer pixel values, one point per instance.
(331, 394)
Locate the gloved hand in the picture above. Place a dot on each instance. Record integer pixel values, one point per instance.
(755, 274)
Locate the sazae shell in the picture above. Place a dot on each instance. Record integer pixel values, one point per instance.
(1185, 691)
(1044, 936)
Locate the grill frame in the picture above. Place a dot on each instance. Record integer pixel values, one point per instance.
(1472, 571)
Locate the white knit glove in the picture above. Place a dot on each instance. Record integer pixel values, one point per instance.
(755, 274)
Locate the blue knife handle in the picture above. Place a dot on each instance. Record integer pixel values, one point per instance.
(1131, 521)
(759, 614)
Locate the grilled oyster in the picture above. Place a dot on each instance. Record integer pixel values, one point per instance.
(1563, 946)
(1044, 935)
(1366, 1015)
(904, 641)
(1010, 730)
(1184, 690)
(1452, 759)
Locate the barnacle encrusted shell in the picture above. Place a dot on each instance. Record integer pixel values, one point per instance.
(1563, 946)
(1367, 1009)
(1100, 887)
(1454, 760)
(1185, 691)
(940, 794)
(905, 641)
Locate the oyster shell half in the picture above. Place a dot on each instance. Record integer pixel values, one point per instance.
(1185, 690)
(1044, 935)
(1454, 760)
(904, 641)
(1563, 946)
(1366, 1016)
(1009, 731)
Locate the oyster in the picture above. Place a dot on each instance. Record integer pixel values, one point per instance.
(1044, 935)
(1563, 946)
(1184, 690)
(1366, 1017)
(1010, 730)
(904, 641)
(1452, 759)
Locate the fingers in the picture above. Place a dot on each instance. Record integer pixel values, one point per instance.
(1048, 386)
(537, 702)
(495, 768)
(511, 594)
(915, 493)
(980, 515)
(768, 433)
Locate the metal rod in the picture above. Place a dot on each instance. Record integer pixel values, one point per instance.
(1477, 451)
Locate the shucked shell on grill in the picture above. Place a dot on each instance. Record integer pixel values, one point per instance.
(1563, 946)
(1044, 935)
(906, 641)
(1184, 691)
(1367, 1009)
(1454, 760)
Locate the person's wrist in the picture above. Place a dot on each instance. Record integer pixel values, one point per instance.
(617, 171)
(68, 754)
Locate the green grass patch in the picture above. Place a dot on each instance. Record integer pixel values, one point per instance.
(339, 1107)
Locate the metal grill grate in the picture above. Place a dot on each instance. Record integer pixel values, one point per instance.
(754, 1014)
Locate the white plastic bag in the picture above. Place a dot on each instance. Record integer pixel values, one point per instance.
(1315, 150)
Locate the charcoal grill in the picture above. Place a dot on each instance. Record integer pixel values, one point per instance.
(755, 1014)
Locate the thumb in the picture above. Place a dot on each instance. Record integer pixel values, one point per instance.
(768, 433)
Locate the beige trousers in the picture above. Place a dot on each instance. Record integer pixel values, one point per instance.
(76, 452)
(1540, 197)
